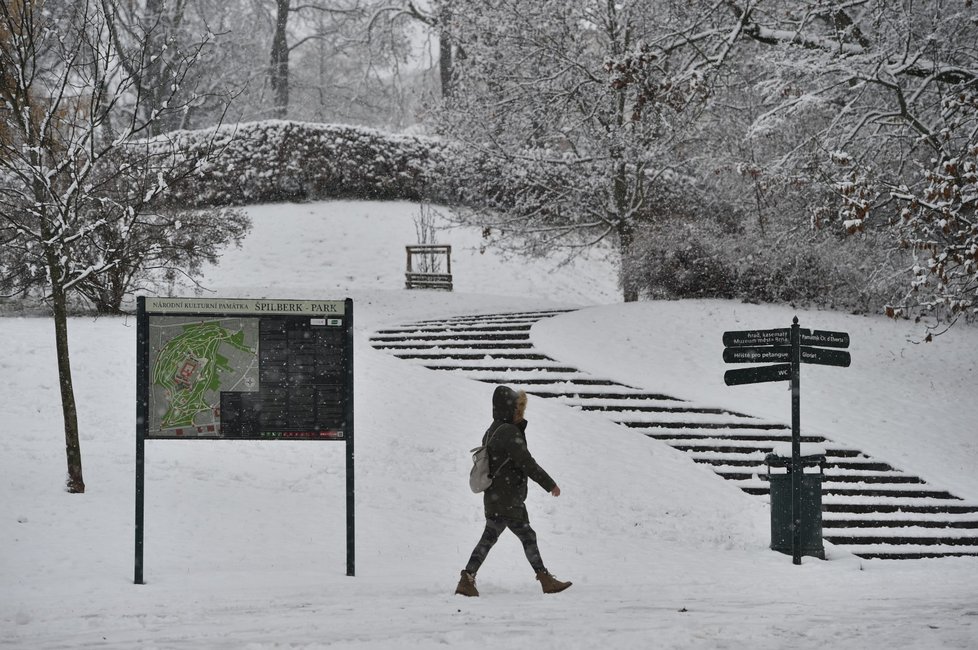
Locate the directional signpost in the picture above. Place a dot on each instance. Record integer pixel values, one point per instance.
(786, 349)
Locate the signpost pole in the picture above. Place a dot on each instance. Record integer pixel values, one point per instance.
(795, 442)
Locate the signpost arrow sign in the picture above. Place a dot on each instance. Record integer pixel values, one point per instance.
(758, 355)
(757, 337)
(823, 357)
(778, 372)
(825, 339)
(818, 338)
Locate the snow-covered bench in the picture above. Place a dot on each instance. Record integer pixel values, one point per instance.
(424, 267)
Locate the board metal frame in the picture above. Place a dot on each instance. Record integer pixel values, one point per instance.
(333, 313)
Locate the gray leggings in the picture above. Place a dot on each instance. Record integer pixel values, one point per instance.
(494, 528)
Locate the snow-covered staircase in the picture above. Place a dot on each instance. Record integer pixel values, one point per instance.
(869, 507)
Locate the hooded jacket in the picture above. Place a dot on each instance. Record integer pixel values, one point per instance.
(510, 462)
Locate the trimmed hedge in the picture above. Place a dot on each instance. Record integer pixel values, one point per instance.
(269, 161)
(702, 260)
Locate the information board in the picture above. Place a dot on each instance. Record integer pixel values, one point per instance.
(246, 369)
(242, 369)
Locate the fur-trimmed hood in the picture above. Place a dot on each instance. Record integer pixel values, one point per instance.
(508, 405)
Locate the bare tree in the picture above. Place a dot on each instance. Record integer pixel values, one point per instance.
(883, 94)
(74, 154)
(579, 108)
(340, 13)
(171, 27)
(437, 18)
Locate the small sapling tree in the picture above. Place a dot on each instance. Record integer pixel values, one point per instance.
(77, 166)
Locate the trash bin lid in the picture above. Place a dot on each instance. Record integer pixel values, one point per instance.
(809, 460)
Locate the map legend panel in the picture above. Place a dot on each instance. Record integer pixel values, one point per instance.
(240, 414)
(302, 368)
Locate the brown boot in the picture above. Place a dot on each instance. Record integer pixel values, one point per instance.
(550, 584)
(466, 585)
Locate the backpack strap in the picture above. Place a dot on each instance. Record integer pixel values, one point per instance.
(488, 440)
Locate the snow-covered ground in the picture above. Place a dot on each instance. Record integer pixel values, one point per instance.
(245, 542)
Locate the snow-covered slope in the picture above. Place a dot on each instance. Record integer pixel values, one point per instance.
(245, 542)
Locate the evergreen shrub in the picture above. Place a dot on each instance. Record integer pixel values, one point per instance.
(811, 269)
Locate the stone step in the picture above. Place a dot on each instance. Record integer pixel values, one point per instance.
(475, 356)
(450, 345)
(528, 316)
(658, 408)
(502, 368)
(873, 478)
(705, 425)
(744, 434)
(886, 508)
(876, 522)
(543, 381)
(576, 392)
(756, 458)
(581, 399)
(461, 328)
(833, 490)
(868, 464)
(721, 446)
(896, 479)
(458, 336)
(888, 552)
(903, 538)
(759, 468)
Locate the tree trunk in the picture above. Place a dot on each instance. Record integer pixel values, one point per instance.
(445, 62)
(628, 274)
(152, 81)
(279, 70)
(75, 483)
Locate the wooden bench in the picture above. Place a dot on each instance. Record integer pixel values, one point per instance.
(426, 272)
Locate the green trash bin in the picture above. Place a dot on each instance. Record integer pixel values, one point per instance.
(810, 530)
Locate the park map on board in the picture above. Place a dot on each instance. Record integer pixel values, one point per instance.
(195, 361)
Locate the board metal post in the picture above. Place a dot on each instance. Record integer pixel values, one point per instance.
(141, 421)
(350, 500)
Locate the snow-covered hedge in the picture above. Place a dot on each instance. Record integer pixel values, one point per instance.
(700, 259)
(274, 160)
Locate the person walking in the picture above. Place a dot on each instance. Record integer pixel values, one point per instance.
(510, 465)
